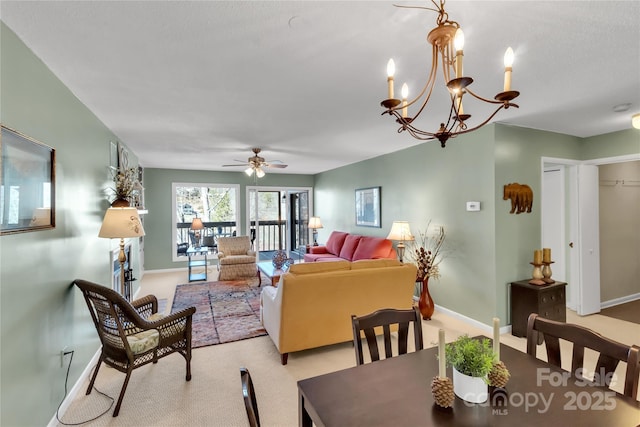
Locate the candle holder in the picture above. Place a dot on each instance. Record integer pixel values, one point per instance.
(442, 389)
(537, 276)
(546, 273)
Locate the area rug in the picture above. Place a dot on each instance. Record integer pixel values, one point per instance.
(225, 311)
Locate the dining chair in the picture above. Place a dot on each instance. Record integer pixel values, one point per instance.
(611, 352)
(250, 403)
(387, 319)
(134, 333)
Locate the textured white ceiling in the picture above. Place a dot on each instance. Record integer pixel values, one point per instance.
(195, 85)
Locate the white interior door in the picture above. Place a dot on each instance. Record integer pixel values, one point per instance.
(588, 298)
(553, 219)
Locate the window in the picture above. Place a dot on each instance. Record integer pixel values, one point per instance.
(217, 206)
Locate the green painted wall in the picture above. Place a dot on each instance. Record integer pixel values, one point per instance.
(611, 144)
(40, 313)
(157, 223)
(488, 249)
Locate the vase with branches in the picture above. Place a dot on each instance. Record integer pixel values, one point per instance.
(125, 185)
(427, 253)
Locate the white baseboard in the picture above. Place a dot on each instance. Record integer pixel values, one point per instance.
(486, 328)
(73, 393)
(618, 301)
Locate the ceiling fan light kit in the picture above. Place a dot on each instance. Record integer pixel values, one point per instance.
(447, 41)
(257, 164)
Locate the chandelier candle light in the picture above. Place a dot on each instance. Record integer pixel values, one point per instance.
(446, 39)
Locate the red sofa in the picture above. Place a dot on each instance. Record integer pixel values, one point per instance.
(351, 247)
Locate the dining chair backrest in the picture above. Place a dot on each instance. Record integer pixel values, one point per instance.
(386, 319)
(610, 352)
(249, 395)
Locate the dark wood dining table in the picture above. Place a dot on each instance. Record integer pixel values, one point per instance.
(397, 392)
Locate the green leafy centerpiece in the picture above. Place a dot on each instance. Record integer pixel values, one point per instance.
(472, 360)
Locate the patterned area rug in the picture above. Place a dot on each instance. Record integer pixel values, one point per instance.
(225, 311)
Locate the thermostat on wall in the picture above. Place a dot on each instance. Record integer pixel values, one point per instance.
(473, 206)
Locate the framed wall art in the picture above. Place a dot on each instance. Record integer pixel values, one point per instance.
(27, 183)
(368, 207)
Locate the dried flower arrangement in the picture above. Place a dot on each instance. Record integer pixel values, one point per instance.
(126, 183)
(427, 252)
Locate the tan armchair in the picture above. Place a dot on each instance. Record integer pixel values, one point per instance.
(236, 259)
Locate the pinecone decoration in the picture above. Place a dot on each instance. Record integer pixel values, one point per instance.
(442, 389)
(499, 375)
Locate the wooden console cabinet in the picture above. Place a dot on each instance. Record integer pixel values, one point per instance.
(548, 301)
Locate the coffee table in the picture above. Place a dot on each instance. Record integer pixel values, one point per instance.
(267, 268)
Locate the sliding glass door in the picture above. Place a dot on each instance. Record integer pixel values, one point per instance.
(278, 218)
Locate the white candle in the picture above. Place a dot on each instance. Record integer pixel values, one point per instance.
(508, 64)
(458, 44)
(442, 371)
(405, 95)
(496, 337)
(391, 70)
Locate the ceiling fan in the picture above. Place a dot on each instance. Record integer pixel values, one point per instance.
(257, 163)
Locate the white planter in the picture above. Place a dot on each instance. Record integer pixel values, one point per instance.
(471, 389)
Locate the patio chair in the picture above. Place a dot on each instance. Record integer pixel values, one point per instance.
(235, 258)
(134, 334)
(387, 319)
(611, 352)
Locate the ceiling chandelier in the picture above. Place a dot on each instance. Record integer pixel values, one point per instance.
(447, 42)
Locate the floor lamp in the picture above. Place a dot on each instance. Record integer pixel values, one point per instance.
(401, 232)
(121, 223)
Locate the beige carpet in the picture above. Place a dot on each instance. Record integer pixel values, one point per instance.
(629, 311)
(158, 395)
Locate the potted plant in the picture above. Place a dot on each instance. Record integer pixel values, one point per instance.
(472, 360)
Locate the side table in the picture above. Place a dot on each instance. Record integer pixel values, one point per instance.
(548, 301)
(194, 277)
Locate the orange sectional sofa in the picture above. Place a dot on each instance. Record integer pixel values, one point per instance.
(342, 246)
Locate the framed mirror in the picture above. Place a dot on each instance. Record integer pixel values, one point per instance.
(27, 183)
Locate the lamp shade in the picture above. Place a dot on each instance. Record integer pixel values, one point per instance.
(400, 231)
(197, 224)
(635, 121)
(314, 222)
(121, 223)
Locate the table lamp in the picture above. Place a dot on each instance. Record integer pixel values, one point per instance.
(196, 226)
(314, 224)
(121, 223)
(400, 232)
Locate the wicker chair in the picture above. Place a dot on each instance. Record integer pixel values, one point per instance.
(134, 334)
(235, 258)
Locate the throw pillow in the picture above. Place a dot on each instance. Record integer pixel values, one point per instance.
(373, 248)
(335, 242)
(349, 247)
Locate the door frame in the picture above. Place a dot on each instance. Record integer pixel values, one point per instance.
(286, 189)
(576, 271)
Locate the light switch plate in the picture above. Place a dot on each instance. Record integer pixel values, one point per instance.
(473, 206)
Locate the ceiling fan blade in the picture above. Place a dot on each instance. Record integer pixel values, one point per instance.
(277, 165)
(239, 164)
